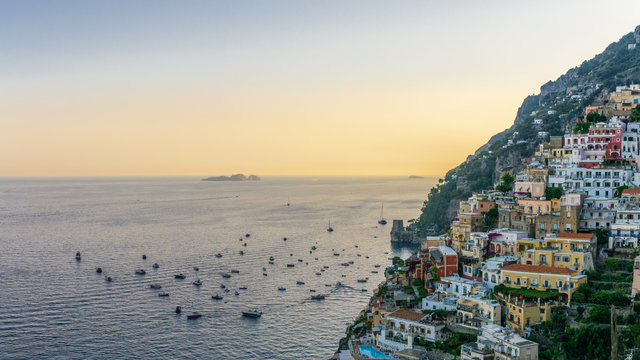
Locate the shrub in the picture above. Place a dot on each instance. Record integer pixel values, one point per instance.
(599, 314)
(612, 264)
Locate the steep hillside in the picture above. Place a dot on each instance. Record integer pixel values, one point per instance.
(558, 104)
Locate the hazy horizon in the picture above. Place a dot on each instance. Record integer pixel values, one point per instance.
(159, 88)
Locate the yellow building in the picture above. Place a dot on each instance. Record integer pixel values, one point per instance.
(565, 280)
(521, 314)
(525, 244)
(463, 226)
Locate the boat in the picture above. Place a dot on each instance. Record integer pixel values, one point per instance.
(359, 255)
(299, 282)
(284, 238)
(99, 270)
(325, 266)
(343, 275)
(356, 246)
(197, 282)
(271, 263)
(241, 252)
(288, 203)
(271, 258)
(330, 229)
(253, 313)
(237, 293)
(315, 258)
(312, 290)
(226, 290)
(336, 254)
(374, 272)
(144, 257)
(280, 288)
(78, 257)
(364, 290)
(196, 268)
(366, 257)
(247, 235)
(179, 276)
(351, 262)
(313, 247)
(194, 315)
(362, 280)
(216, 297)
(163, 294)
(318, 273)
(322, 270)
(299, 260)
(376, 265)
(178, 309)
(108, 278)
(264, 268)
(242, 288)
(155, 286)
(264, 274)
(318, 297)
(382, 221)
(222, 286)
(155, 266)
(338, 284)
(226, 275)
(140, 272)
(245, 244)
(218, 255)
(235, 271)
(291, 265)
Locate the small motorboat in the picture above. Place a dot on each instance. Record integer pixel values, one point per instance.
(356, 246)
(264, 268)
(155, 286)
(336, 254)
(78, 257)
(290, 254)
(245, 244)
(299, 282)
(99, 270)
(242, 288)
(108, 278)
(386, 252)
(376, 266)
(300, 260)
(237, 293)
(144, 257)
(343, 275)
(163, 294)
(318, 297)
(218, 255)
(194, 315)
(155, 266)
(197, 282)
(364, 290)
(241, 252)
(284, 238)
(178, 309)
(374, 272)
(313, 247)
(315, 258)
(226, 275)
(235, 271)
(362, 280)
(350, 261)
(366, 257)
(318, 273)
(140, 272)
(222, 286)
(180, 276)
(359, 255)
(226, 290)
(280, 288)
(322, 270)
(312, 290)
(325, 266)
(247, 235)
(291, 265)
(271, 258)
(338, 284)
(271, 262)
(216, 297)
(253, 313)
(196, 268)
(264, 274)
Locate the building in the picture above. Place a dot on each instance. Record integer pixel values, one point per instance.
(475, 312)
(491, 268)
(444, 258)
(497, 342)
(564, 280)
(464, 225)
(439, 302)
(598, 213)
(403, 325)
(458, 286)
(567, 250)
(635, 287)
(626, 227)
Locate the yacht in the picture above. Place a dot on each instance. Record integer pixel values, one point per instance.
(194, 315)
(197, 282)
(140, 272)
(382, 221)
(216, 297)
(179, 276)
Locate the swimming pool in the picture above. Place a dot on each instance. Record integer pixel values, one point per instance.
(371, 352)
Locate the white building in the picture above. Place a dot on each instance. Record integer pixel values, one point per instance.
(458, 286)
(403, 325)
(439, 302)
(598, 213)
(497, 342)
(626, 228)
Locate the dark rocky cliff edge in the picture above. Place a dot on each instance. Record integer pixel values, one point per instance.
(558, 104)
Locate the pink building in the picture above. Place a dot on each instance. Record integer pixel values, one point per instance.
(536, 189)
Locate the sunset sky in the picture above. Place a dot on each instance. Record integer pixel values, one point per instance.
(111, 88)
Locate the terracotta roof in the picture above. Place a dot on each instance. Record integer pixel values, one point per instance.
(539, 269)
(407, 315)
(574, 236)
(631, 191)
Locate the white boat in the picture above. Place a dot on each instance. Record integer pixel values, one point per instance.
(197, 282)
(163, 294)
(140, 272)
(329, 229)
(253, 313)
(382, 221)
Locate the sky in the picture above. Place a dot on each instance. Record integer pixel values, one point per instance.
(347, 88)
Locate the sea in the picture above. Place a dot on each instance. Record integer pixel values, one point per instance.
(55, 307)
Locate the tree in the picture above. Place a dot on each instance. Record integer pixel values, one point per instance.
(552, 192)
(507, 182)
(581, 128)
(491, 218)
(599, 314)
(594, 117)
(618, 192)
(635, 114)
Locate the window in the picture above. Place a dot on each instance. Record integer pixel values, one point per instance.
(534, 282)
(546, 283)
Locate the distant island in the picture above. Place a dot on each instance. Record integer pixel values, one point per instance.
(235, 177)
(416, 177)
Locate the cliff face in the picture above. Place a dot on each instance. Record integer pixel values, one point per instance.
(559, 104)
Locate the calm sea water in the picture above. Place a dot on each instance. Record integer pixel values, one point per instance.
(52, 306)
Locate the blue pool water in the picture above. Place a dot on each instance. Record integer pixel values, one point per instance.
(371, 352)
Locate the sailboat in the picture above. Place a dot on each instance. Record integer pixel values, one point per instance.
(329, 229)
(382, 221)
(288, 203)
